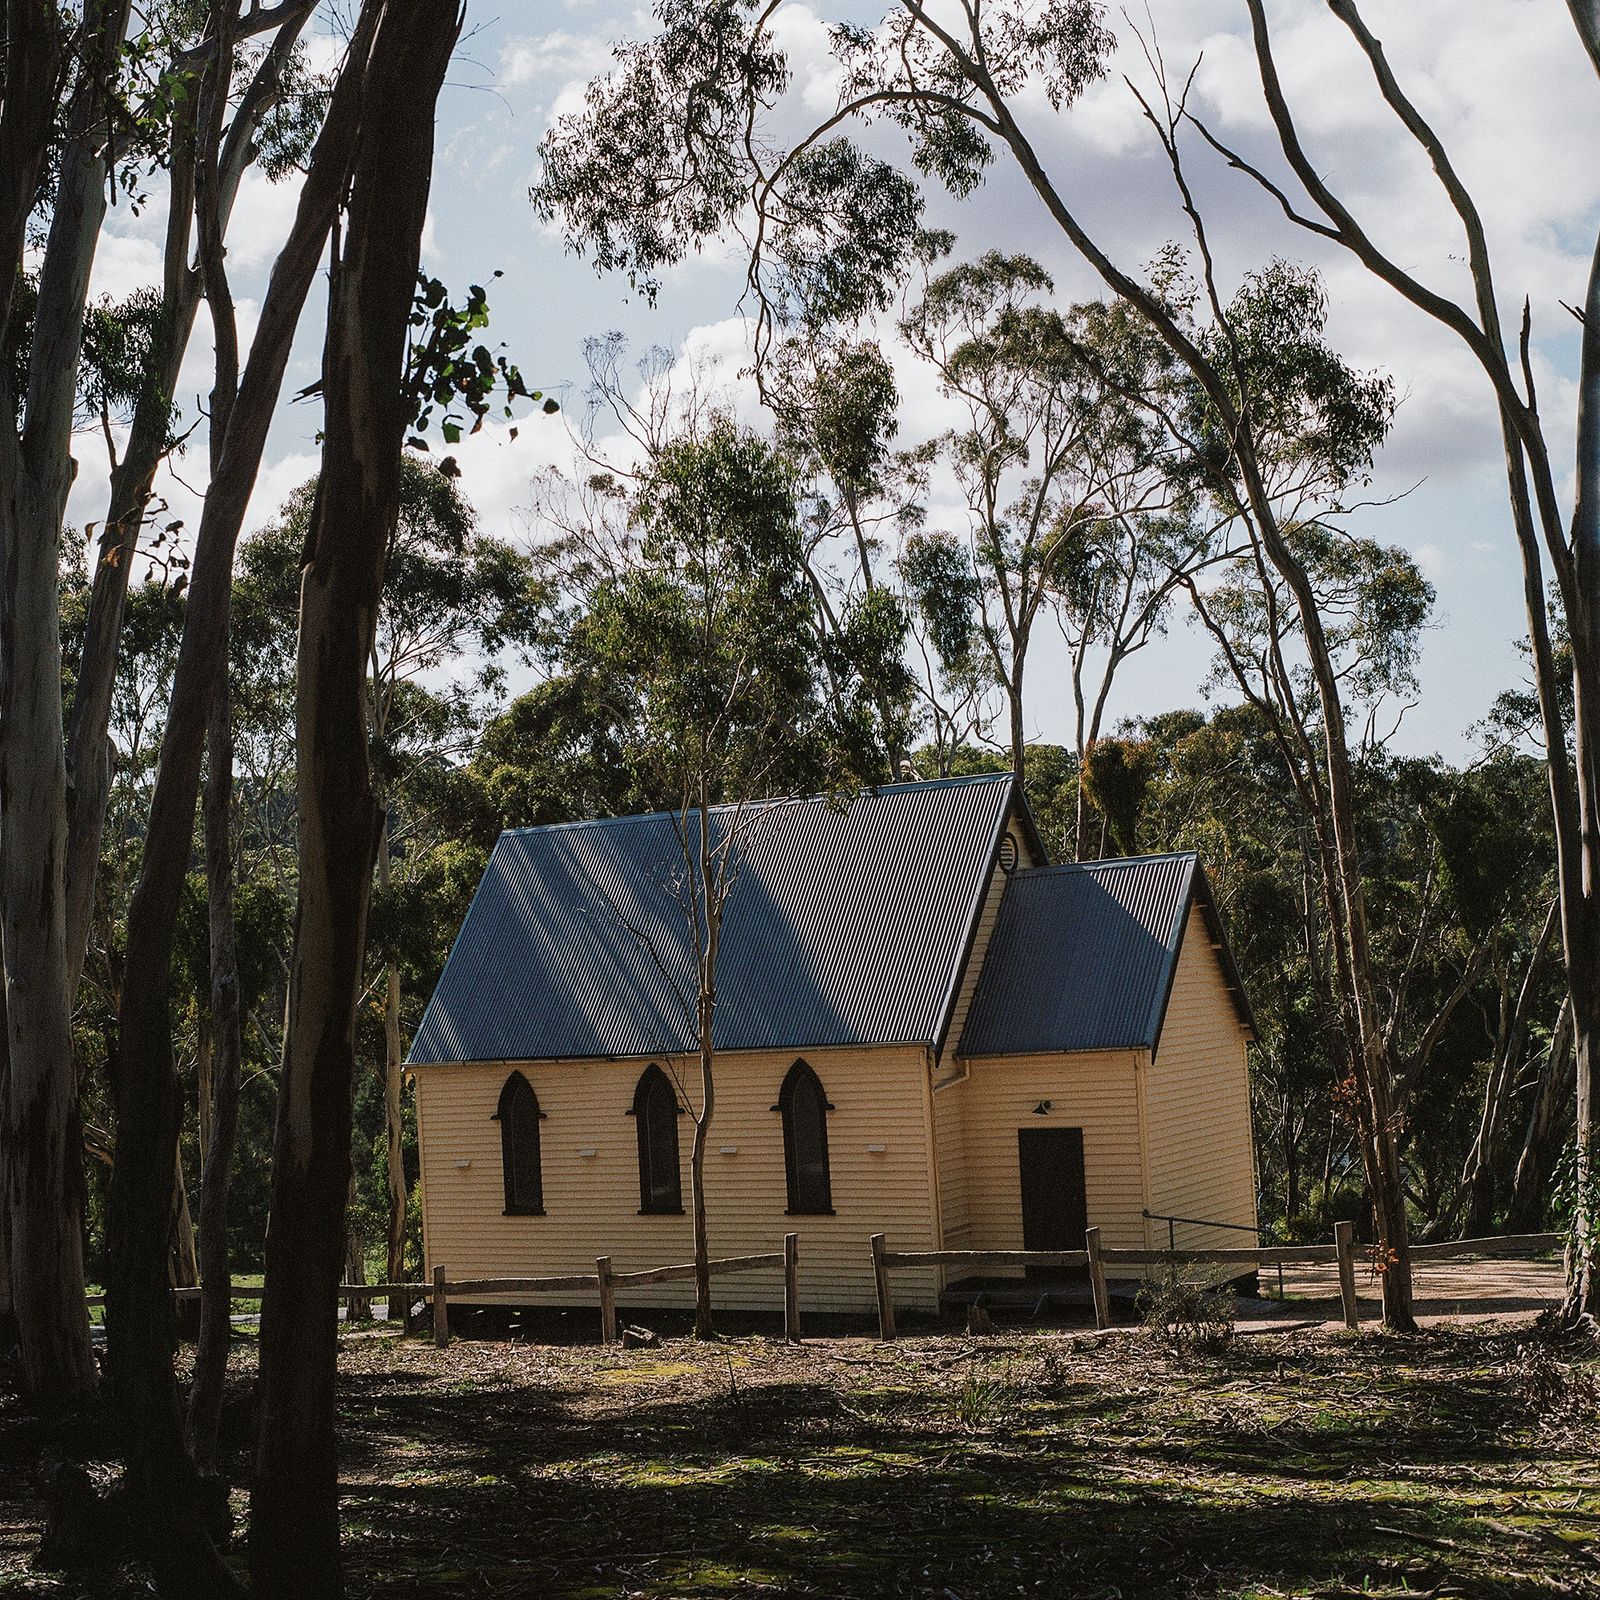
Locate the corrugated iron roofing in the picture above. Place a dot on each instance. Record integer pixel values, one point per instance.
(1082, 957)
(846, 926)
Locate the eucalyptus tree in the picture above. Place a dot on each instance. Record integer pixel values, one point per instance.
(954, 682)
(1553, 532)
(452, 596)
(835, 401)
(294, 1546)
(161, 1473)
(696, 102)
(731, 703)
(104, 107)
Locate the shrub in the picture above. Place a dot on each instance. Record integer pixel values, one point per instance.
(1186, 1315)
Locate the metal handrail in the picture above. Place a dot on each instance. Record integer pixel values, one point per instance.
(1206, 1222)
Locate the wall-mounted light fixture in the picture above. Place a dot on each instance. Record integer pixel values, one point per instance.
(728, 1150)
(1042, 1109)
(463, 1163)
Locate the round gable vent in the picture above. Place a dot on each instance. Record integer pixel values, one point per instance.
(1008, 853)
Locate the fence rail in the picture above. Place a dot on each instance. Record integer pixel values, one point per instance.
(605, 1281)
(1097, 1258)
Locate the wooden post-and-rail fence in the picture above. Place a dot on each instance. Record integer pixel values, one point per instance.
(1095, 1258)
(605, 1281)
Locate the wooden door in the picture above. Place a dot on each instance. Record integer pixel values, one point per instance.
(1055, 1210)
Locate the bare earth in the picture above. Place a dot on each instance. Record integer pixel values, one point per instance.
(1053, 1463)
(1469, 1293)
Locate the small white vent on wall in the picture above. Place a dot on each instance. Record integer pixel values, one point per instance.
(591, 1151)
(876, 1149)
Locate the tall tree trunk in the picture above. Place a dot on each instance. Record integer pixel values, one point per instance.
(8, 1310)
(216, 1272)
(294, 1534)
(393, 1104)
(161, 1475)
(42, 1133)
(33, 48)
(711, 889)
(704, 1327)
(88, 745)
(358, 1307)
(1528, 1207)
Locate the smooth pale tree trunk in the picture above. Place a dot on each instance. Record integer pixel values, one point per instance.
(43, 1141)
(1551, 1098)
(160, 1473)
(88, 743)
(33, 58)
(294, 1531)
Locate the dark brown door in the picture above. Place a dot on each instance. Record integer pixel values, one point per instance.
(1055, 1211)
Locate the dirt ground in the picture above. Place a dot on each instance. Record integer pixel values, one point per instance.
(1463, 1293)
(1465, 1461)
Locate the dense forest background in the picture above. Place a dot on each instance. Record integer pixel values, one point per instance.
(915, 628)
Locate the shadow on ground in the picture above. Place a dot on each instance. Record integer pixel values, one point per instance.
(1062, 1466)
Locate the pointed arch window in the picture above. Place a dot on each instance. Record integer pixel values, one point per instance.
(655, 1110)
(804, 1107)
(519, 1116)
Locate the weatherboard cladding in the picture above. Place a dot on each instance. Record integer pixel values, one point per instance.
(847, 925)
(1081, 958)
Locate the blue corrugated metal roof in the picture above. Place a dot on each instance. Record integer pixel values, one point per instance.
(1082, 957)
(846, 926)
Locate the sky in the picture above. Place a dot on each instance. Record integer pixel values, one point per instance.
(1504, 81)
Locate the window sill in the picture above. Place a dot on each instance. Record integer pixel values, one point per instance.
(660, 1211)
(523, 1211)
(811, 1211)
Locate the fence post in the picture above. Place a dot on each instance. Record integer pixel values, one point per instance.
(441, 1311)
(608, 1300)
(791, 1287)
(1344, 1243)
(1097, 1279)
(880, 1274)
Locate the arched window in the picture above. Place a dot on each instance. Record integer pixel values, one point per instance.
(655, 1107)
(519, 1116)
(805, 1111)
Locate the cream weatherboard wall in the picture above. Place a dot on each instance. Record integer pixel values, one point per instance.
(1197, 1104)
(880, 1165)
(1096, 1091)
(949, 1101)
(1170, 1134)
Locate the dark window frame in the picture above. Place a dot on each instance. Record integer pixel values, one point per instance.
(517, 1205)
(651, 1095)
(818, 1202)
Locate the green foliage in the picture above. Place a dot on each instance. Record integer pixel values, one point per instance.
(1116, 774)
(711, 635)
(446, 369)
(1575, 1201)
